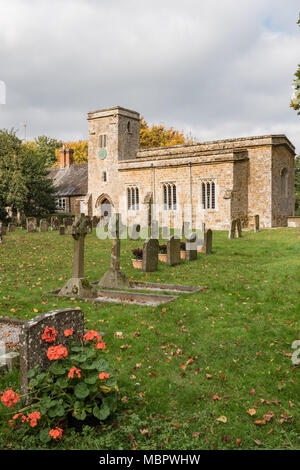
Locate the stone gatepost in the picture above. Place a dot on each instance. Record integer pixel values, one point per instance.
(173, 251)
(77, 286)
(115, 278)
(150, 255)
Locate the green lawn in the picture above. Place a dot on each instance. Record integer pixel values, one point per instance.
(182, 366)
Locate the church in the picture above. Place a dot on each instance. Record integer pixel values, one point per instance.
(211, 182)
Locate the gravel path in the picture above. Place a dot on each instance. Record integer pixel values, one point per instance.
(9, 334)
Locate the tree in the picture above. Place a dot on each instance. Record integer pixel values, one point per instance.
(46, 147)
(295, 102)
(80, 148)
(24, 183)
(159, 136)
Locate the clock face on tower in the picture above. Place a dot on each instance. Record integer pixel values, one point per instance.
(102, 154)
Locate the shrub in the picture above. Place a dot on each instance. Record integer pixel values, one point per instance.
(182, 246)
(138, 253)
(78, 385)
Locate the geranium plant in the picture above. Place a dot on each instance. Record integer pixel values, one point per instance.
(77, 384)
(182, 246)
(162, 249)
(137, 253)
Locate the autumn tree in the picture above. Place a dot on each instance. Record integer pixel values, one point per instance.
(159, 136)
(295, 102)
(80, 149)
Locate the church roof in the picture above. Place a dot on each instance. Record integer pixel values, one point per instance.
(71, 180)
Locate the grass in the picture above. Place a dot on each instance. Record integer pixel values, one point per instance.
(182, 366)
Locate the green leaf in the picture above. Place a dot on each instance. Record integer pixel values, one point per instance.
(92, 379)
(80, 414)
(101, 413)
(81, 390)
(32, 373)
(58, 410)
(44, 435)
(57, 369)
(62, 382)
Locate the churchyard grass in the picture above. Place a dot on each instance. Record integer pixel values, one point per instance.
(191, 373)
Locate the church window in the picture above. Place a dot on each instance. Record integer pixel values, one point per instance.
(104, 176)
(208, 195)
(102, 141)
(129, 127)
(169, 196)
(61, 204)
(133, 198)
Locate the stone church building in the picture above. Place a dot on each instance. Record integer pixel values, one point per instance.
(211, 182)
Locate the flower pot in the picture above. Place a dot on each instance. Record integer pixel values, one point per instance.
(137, 263)
(200, 248)
(182, 254)
(162, 257)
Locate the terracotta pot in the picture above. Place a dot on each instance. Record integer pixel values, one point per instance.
(162, 257)
(182, 254)
(200, 248)
(137, 263)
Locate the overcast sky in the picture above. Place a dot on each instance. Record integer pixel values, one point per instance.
(213, 68)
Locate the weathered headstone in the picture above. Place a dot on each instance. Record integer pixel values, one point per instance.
(232, 229)
(256, 223)
(11, 227)
(238, 228)
(68, 221)
(33, 349)
(173, 251)
(44, 225)
(115, 277)
(207, 248)
(95, 221)
(150, 255)
(61, 230)
(191, 247)
(31, 224)
(55, 223)
(77, 285)
(3, 229)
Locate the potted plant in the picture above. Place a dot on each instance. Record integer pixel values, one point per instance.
(137, 261)
(182, 250)
(162, 253)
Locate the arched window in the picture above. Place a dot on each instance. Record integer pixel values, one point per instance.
(284, 182)
(208, 195)
(129, 127)
(169, 196)
(133, 198)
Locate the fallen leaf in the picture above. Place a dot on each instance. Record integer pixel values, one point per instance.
(238, 441)
(251, 411)
(222, 419)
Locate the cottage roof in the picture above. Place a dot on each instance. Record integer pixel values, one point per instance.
(71, 180)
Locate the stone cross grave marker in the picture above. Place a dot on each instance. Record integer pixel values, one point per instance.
(115, 277)
(150, 255)
(76, 285)
(173, 251)
(33, 349)
(95, 221)
(44, 225)
(89, 223)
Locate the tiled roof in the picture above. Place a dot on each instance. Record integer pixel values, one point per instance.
(72, 180)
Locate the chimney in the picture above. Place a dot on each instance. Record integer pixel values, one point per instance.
(66, 157)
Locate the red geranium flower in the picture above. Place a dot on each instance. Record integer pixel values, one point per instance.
(10, 398)
(73, 371)
(68, 332)
(56, 433)
(90, 335)
(103, 375)
(101, 345)
(57, 352)
(49, 335)
(33, 417)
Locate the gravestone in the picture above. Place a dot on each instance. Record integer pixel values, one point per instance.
(150, 255)
(33, 349)
(238, 228)
(201, 238)
(135, 232)
(3, 229)
(77, 285)
(191, 247)
(173, 251)
(256, 223)
(68, 221)
(61, 230)
(55, 223)
(232, 229)
(68, 229)
(11, 227)
(44, 225)
(95, 221)
(115, 277)
(207, 248)
(31, 224)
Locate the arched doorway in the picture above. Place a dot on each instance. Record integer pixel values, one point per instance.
(104, 206)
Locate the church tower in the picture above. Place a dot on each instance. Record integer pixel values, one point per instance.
(114, 135)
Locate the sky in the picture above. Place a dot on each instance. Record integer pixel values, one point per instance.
(214, 69)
